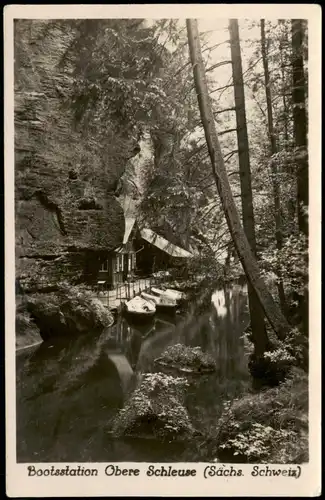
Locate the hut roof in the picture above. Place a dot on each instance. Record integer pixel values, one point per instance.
(163, 244)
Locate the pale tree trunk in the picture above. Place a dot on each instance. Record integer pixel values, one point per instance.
(245, 254)
(274, 168)
(283, 45)
(259, 334)
(300, 136)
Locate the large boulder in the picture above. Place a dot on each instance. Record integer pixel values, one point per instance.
(68, 313)
(156, 410)
(187, 359)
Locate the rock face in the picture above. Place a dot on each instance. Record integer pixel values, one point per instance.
(65, 178)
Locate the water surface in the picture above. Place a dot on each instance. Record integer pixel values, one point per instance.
(68, 391)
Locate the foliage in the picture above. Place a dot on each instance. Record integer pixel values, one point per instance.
(293, 351)
(282, 355)
(270, 426)
(118, 81)
(192, 358)
(256, 444)
(205, 266)
(155, 408)
(289, 263)
(178, 173)
(82, 298)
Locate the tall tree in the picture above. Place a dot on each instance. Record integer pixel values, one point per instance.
(256, 312)
(245, 254)
(300, 122)
(273, 164)
(300, 136)
(286, 122)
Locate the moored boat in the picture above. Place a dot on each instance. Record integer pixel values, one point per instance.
(174, 294)
(158, 291)
(162, 302)
(139, 308)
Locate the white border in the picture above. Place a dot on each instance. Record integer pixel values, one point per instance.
(309, 484)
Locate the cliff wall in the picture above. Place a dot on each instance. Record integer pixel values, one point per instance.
(65, 178)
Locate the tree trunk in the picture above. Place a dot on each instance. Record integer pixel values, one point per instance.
(274, 169)
(259, 334)
(300, 136)
(283, 44)
(300, 122)
(245, 254)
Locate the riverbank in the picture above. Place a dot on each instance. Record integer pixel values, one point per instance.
(270, 426)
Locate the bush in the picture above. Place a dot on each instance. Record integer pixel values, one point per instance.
(191, 358)
(274, 365)
(294, 349)
(270, 426)
(155, 409)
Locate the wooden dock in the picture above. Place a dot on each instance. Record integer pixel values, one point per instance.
(125, 291)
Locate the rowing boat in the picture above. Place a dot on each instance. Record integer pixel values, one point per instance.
(138, 307)
(162, 302)
(174, 294)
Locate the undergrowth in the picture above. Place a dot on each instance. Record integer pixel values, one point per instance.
(270, 426)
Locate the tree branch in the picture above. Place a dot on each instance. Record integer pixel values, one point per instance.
(215, 46)
(233, 108)
(217, 65)
(229, 155)
(221, 88)
(234, 172)
(223, 132)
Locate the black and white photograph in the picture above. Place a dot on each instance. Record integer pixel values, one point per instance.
(162, 211)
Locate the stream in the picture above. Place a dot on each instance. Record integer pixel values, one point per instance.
(68, 391)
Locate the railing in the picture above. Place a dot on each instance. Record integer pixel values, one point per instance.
(129, 289)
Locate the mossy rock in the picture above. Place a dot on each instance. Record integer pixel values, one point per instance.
(185, 370)
(70, 312)
(156, 409)
(187, 360)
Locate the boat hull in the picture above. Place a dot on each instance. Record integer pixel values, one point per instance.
(138, 316)
(180, 299)
(170, 310)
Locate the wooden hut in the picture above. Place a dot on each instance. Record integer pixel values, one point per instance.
(155, 253)
(121, 263)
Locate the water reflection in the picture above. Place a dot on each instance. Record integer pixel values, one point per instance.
(69, 390)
